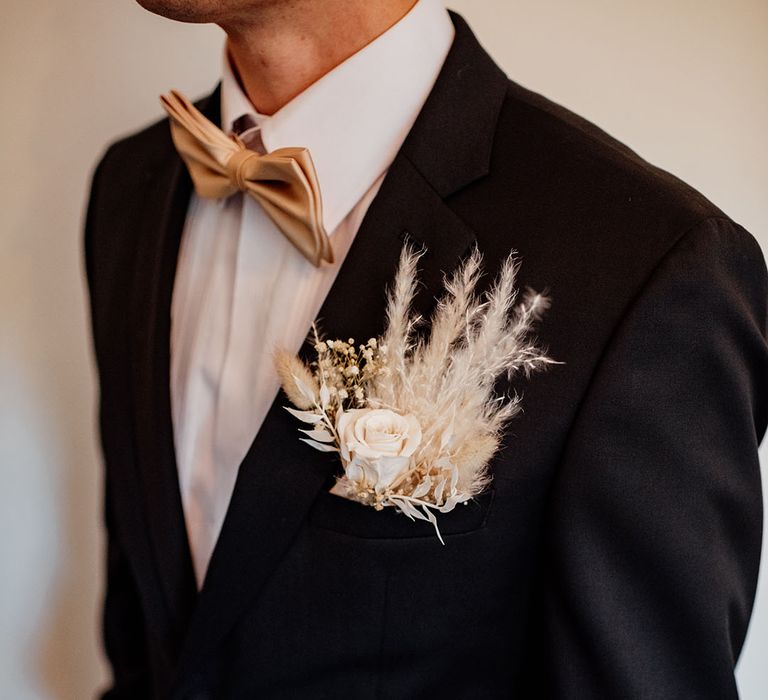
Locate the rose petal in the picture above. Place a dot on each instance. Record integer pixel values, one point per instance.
(384, 470)
(354, 472)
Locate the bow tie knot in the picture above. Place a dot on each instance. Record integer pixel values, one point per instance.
(283, 182)
(241, 167)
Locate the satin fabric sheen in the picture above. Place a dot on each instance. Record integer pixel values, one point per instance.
(284, 182)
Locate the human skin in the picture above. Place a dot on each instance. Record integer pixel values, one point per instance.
(280, 47)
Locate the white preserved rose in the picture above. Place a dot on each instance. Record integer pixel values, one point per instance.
(376, 444)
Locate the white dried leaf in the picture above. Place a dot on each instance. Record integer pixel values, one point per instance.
(439, 490)
(431, 517)
(319, 445)
(408, 508)
(325, 395)
(454, 479)
(423, 487)
(319, 434)
(304, 416)
(453, 501)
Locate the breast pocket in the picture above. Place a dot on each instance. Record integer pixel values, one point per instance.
(338, 514)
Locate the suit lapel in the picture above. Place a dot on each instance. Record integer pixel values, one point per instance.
(162, 200)
(280, 476)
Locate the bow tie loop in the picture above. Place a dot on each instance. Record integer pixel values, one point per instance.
(284, 182)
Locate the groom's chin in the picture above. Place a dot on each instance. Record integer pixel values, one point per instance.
(195, 11)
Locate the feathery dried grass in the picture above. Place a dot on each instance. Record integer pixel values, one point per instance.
(298, 381)
(447, 381)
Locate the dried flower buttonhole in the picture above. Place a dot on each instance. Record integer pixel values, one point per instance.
(416, 420)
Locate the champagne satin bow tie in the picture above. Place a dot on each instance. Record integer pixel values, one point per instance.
(284, 182)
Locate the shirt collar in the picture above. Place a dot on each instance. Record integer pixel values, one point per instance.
(354, 119)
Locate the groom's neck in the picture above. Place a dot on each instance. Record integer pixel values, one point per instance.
(282, 48)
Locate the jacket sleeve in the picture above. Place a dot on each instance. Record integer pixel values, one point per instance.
(122, 625)
(122, 617)
(654, 531)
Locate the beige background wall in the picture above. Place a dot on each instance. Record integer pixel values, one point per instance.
(682, 82)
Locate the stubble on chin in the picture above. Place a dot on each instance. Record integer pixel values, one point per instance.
(194, 11)
(222, 12)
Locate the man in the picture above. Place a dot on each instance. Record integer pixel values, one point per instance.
(615, 555)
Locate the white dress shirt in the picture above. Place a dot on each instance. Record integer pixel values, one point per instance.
(241, 288)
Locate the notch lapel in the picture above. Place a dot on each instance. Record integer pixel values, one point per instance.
(280, 476)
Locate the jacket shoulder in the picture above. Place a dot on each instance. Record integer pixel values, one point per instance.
(569, 154)
(621, 196)
(590, 218)
(152, 143)
(141, 147)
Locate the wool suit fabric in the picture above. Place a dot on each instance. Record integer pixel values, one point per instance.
(615, 556)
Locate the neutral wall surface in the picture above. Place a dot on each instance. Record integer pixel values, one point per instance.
(683, 83)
